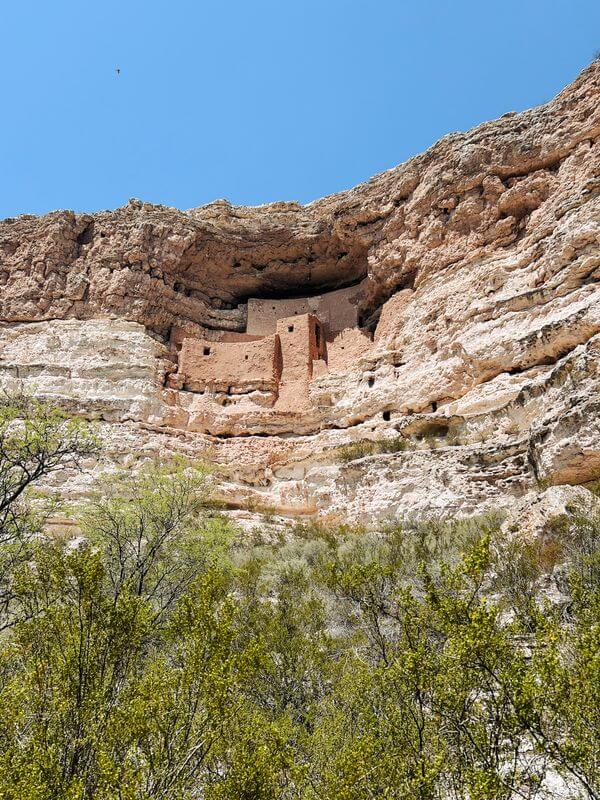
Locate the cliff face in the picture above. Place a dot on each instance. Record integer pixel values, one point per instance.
(476, 345)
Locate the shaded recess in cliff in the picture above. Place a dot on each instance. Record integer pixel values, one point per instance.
(160, 266)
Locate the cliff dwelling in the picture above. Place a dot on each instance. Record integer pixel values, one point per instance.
(449, 307)
(287, 343)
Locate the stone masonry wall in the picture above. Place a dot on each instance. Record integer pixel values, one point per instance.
(346, 347)
(302, 342)
(234, 367)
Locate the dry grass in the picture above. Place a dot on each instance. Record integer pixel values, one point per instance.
(368, 447)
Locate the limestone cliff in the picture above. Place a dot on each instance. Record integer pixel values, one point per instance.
(474, 353)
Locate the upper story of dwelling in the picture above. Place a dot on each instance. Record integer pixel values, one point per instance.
(336, 310)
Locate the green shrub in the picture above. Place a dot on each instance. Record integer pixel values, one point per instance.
(164, 656)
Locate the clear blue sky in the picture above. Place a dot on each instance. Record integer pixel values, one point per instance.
(259, 100)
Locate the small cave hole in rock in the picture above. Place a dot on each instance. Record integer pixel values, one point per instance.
(206, 351)
(87, 234)
(290, 328)
(387, 415)
(371, 382)
(246, 357)
(318, 335)
(434, 406)
(361, 321)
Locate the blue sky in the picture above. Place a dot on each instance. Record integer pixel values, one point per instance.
(259, 100)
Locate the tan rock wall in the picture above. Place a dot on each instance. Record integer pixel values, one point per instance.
(392, 315)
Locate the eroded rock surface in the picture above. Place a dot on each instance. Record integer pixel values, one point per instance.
(476, 344)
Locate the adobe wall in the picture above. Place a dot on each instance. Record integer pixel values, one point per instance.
(302, 342)
(278, 367)
(230, 367)
(336, 310)
(178, 334)
(346, 347)
(232, 336)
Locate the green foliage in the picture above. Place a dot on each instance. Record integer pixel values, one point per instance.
(147, 529)
(161, 657)
(36, 440)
